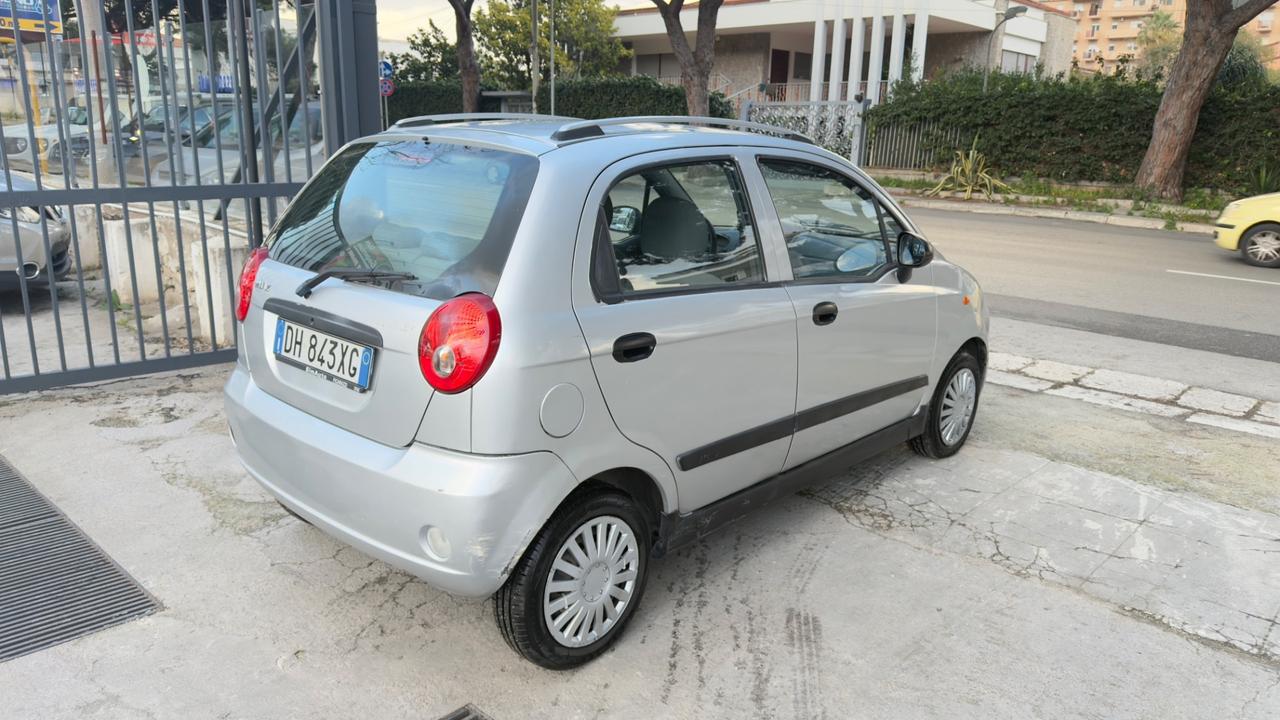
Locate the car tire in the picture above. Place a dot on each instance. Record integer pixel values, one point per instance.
(958, 391)
(524, 609)
(1260, 245)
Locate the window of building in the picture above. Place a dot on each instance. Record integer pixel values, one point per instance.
(834, 228)
(1111, 48)
(1016, 62)
(1115, 26)
(802, 67)
(1093, 30)
(679, 227)
(1119, 3)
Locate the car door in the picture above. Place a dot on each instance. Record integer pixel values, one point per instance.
(866, 330)
(692, 340)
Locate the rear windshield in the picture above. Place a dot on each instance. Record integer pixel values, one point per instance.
(445, 213)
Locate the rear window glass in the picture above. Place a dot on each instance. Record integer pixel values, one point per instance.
(445, 213)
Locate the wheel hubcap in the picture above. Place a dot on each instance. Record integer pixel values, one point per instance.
(1265, 247)
(592, 581)
(958, 402)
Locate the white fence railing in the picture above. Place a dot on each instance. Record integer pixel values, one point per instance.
(836, 126)
(913, 146)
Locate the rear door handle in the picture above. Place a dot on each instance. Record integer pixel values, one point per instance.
(824, 313)
(634, 347)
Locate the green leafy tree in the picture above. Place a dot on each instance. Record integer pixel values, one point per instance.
(431, 57)
(585, 43)
(1246, 63)
(1158, 44)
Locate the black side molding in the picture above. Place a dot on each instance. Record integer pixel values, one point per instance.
(676, 529)
(803, 420)
(325, 322)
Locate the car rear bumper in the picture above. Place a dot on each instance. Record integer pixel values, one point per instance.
(383, 500)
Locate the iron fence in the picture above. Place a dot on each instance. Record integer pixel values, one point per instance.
(913, 146)
(836, 126)
(145, 152)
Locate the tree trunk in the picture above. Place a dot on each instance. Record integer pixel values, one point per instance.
(468, 68)
(696, 94)
(695, 62)
(1190, 80)
(1211, 27)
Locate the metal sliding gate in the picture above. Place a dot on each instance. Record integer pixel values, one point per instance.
(148, 145)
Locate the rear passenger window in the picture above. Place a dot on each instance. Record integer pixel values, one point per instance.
(679, 227)
(833, 227)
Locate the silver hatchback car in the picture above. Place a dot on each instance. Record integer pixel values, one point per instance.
(526, 355)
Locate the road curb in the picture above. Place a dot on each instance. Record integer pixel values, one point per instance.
(911, 200)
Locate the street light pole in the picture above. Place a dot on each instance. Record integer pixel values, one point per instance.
(1012, 12)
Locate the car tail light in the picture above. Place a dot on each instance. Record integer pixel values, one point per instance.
(247, 277)
(458, 342)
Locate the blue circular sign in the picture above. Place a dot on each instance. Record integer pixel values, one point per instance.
(385, 71)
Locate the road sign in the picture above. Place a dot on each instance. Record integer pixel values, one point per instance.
(385, 70)
(386, 86)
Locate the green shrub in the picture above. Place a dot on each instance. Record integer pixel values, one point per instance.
(622, 96)
(431, 98)
(1095, 128)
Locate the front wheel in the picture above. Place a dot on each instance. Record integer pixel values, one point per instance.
(579, 583)
(1261, 245)
(951, 412)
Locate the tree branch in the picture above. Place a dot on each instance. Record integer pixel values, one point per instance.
(1244, 12)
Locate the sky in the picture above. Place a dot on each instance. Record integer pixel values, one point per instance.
(397, 19)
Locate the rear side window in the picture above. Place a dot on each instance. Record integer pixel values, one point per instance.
(445, 213)
(678, 227)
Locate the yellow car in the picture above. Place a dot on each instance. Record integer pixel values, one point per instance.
(1252, 226)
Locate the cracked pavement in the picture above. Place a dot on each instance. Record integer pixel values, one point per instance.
(1074, 560)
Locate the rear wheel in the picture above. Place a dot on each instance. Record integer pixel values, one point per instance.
(576, 587)
(951, 412)
(1261, 245)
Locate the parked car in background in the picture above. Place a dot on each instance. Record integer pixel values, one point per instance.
(165, 127)
(524, 355)
(48, 139)
(22, 240)
(214, 152)
(1252, 227)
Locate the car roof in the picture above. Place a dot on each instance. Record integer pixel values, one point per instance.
(542, 134)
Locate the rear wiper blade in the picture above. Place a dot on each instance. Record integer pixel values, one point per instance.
(304, 290)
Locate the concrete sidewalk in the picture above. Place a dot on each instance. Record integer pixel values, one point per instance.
(1029, 576)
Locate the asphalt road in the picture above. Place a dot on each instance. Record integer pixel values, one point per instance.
(1167, 287)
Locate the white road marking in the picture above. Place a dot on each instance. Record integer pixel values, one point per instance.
(1222, 277)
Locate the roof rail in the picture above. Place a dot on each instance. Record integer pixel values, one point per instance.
(583, 129)
(422, 120)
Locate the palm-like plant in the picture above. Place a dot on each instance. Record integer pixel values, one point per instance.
(969, 174)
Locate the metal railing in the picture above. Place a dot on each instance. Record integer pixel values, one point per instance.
(913, 146)
(142, 154)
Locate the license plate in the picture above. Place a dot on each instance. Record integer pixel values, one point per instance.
(332, 358)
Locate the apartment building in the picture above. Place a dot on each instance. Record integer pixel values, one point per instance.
(1107, 30)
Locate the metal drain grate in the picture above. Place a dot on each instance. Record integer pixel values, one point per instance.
(55, 583)
(466, 712)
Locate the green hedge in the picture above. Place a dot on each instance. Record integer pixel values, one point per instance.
(588, 99)
(430, 98)
(1088, 129)
(621, 97)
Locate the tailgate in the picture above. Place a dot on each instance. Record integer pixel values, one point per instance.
(389, 323)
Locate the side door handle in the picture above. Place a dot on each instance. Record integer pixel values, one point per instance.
(824, 313)
(634, 347)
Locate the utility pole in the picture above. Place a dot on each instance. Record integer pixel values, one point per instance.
(553, 57)
(91, 30)
(535, 63)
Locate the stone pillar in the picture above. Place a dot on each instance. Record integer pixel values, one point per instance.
(857, 37)
(875, 67)
(897, 48)
(919, 39)
(819, 64)
(837, 54)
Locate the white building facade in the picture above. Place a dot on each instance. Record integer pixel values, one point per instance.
(766, 49)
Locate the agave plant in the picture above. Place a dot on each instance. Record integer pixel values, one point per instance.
(1264, 180)
(968, 175)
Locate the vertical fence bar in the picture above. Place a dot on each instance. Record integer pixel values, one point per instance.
(282, 86)
(68, 177)
(94, 78)
(23, 286)
(222, 171)
(249, 163)
(146, 168)
(195, 158)
(120, 169)
(304, 73)
(267, 143)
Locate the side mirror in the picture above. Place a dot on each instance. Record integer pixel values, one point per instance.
(913, 251)
(625, 219)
